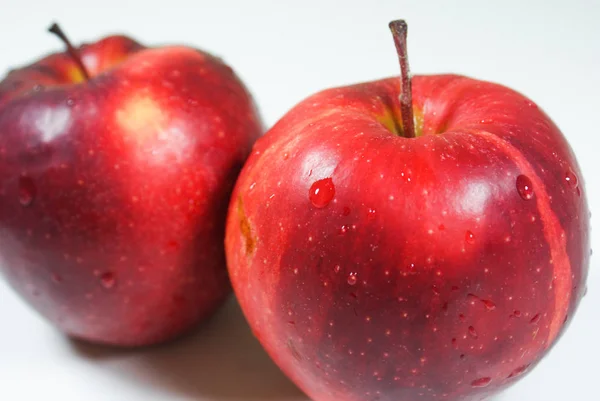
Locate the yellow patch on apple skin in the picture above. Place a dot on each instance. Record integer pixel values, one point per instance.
(392, 120)
(388, 120)
(75, 75)
(141, 117)
(418, 118)
(245, 229)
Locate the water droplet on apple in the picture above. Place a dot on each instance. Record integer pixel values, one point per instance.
(346, 211)
(352, 279)
(482, 382)
(524, 187)
(517, 313)
(371, 213)
(455, 343)
(38, 88)
(321, 192)
(337, 268)
(519, 371)
(56, 278)
(70, 102)
(473, 332)
(108, 280)
(469, 237)
(27, 191)
(489, 305)
(571, 179)
(535, 319)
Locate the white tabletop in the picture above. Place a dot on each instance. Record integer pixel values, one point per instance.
(549, 50)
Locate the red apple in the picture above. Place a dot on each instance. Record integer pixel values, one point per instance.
(374, 265)
(115, 176)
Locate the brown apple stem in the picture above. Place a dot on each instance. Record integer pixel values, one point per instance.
(399, 30)
(55, 29)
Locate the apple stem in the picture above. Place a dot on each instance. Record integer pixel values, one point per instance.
(55, 29)
(399, 30)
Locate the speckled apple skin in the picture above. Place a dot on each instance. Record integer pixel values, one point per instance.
(377, 267)
(114, 191)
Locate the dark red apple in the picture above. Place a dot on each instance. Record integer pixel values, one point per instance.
(374, 265)
(115, 176)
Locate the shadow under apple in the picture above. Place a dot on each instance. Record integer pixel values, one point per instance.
(221, 360)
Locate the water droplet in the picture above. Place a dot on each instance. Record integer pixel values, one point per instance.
(27, 191)
(321, 192)
(371, 213)
(352, 279)
(38, 88)
(473, 332)
(70, 102)
(462, 317)
(578, 190)
(469, 237)
(517, 313)
(441, 227)
(343, 230)
(519, 371)
(337, 268)
(524, 187)
(346, 211)
(455, 343)
(435, 290)
(571, 179)
(56, 278)
(483, 382)
(489, 305)
(108, 280)
(535, 319)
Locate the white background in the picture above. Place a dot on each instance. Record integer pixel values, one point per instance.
(284, 51)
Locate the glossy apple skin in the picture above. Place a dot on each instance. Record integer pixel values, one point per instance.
(422, 269)
(114, 191)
